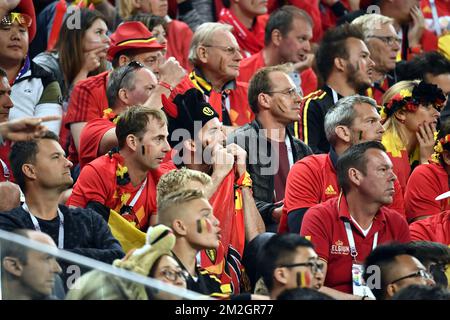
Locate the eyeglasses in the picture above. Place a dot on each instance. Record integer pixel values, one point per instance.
(293, 92)
(418, 274)
(172, 275)
(133, 65)
(20, 18)
(229, 50)
(314, 266)
(388, 40)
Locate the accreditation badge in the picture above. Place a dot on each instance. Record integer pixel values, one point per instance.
(359, 287)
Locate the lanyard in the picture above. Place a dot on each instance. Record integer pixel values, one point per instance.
(289, 151)
(38, 228)
(138, 194)
(351, 241)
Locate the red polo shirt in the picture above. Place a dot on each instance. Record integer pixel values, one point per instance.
(313, 180)
(87, 102)
(426, 182)
(98, 182)
(324, 224)
(435, 228)
(90, 139)
(249, 66)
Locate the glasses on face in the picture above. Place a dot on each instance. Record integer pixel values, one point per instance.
(229, 50)
(418, 274)
(21, 18)
(173, 275)
(314, 266)
(292, 92)
(388, 40)
(133, 65)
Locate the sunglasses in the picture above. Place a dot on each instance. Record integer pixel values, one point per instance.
(133, 65)
(21, 18)
(314, 266)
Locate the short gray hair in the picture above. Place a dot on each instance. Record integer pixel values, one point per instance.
(204, 35)
(117, 81)
(343, 114)
(370, 22)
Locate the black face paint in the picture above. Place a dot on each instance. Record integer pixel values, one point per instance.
(299, 280)
(360, 135)
(143, 150)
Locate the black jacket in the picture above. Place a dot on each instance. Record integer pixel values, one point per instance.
(261, 166)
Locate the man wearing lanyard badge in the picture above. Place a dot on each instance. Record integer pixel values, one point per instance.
(344, 230)
(43, 172)
(271, 149)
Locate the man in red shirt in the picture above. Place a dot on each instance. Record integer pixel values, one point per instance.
(122, 180)
(287, 37)
(215, 55)
(248, 19)
(127, 86)
(313, 179)
(345, 229)
(435, 229)
(131, 42)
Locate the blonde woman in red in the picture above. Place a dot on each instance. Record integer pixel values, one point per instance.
(410, 114)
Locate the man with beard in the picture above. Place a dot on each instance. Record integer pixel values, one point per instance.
(313, 179)
(344, 63)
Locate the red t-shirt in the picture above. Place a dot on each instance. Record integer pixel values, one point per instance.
(313, 180)
(90, 139)
(179, 37)
(98, 182)
(4, 156)
(249, 66)
(435, 229)
(324, 225)
(87, 102)
(426, 182)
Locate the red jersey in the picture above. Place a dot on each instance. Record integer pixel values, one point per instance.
(251, 40)
(5, 168)
(90, 139)
(313, 180)
(87, 102)
(239, 110)
(435, 229)
(324, 226)
(98, 182)
(249, 66)
(425, 183)
(179, 37)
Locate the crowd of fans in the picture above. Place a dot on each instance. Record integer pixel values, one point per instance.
(243, 149)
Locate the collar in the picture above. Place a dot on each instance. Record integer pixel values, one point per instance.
(25, 68)
(329, 91)
(203, 84)
(344, 213)
(333, 157)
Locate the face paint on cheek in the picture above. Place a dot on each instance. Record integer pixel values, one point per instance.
(360, 135)
(143, 149)
(203, 225)
(303, 279)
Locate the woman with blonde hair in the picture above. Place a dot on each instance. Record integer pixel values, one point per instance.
(409, 114)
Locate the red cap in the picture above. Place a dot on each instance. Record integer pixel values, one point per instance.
(132, 35)
(27, 7)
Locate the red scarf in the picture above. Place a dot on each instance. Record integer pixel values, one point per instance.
(251, 41)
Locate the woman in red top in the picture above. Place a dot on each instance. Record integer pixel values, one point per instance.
(410, 113)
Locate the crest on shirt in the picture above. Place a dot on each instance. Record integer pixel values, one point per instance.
(212, 255)
(339, 248)
(207, 111)
(329, 191)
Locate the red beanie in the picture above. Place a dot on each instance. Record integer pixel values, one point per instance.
(27, 7)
